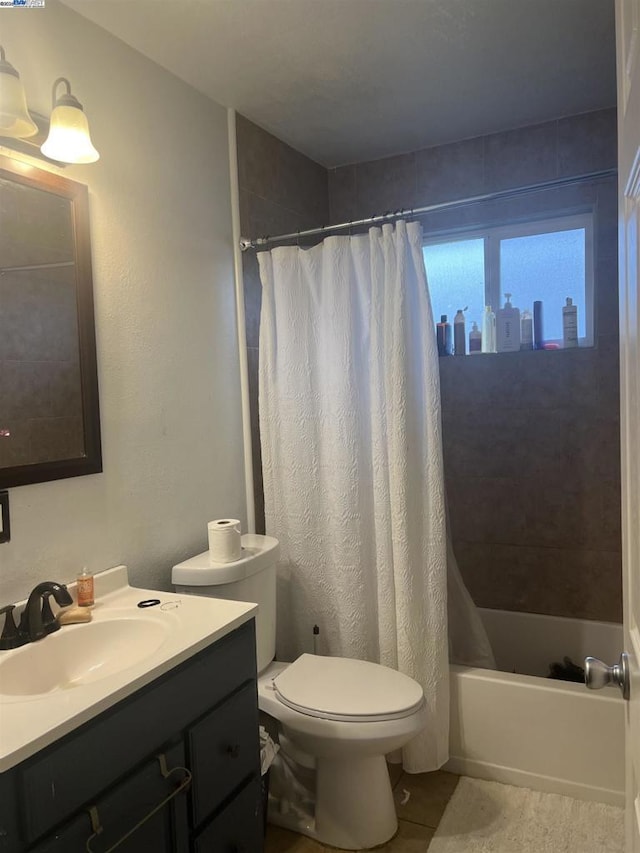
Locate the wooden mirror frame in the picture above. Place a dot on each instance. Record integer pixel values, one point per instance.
(90, 462)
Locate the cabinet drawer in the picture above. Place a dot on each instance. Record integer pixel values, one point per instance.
(224, 749)
(76, 769)
(119, 811)
(238, 827)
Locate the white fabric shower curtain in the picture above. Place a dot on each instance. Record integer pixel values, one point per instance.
(352, 460)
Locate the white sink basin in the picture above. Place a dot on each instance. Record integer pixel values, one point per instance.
(51, 687)
(80, 654)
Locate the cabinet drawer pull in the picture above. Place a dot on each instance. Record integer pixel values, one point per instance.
(232, 750)
(98, 829)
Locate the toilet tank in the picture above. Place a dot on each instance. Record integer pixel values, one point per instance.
(251, 578)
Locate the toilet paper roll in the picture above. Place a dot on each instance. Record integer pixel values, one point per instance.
(224, 540)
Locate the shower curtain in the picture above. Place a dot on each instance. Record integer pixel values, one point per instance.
(349, 405)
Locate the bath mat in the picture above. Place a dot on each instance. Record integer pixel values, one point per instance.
(487, 817)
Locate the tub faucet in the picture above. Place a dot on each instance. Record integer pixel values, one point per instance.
(37, 619)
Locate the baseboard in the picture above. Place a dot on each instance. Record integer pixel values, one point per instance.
(537, 782)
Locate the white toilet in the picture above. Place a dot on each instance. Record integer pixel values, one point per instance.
(338, 716)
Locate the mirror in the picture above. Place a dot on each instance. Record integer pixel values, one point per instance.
(49, 414)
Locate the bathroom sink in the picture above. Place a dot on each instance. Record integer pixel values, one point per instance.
(77, 655)
(51, 687)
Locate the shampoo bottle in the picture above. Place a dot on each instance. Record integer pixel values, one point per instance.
(570, 324)
(488, 330)
(508, 327)
(459, 335)
(443, 335)
(475, 340)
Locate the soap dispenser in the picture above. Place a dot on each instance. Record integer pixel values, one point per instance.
(508, 327)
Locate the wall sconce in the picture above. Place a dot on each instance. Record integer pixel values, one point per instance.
(69, 140)
(15, 120)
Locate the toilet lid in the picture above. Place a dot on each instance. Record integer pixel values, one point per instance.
(347, 689)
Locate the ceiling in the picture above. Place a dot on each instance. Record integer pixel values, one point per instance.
(351, 80)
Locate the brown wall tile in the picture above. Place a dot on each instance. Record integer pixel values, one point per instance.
(342, 194)
(386, 185)
(517, 158)
(450, 171)
(587, 142)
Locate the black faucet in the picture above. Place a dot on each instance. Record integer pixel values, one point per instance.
(37, 619)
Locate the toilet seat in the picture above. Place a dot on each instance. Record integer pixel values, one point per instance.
(347, 690)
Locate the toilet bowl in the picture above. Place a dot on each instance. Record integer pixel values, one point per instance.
(339, 716)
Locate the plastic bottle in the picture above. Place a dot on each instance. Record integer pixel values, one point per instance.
(538, 338)
(475, 340)
(570, 324)
(443, 335)
(488, 330)
(459, 335)
(526, 330)
(85, 588)
(508, 327)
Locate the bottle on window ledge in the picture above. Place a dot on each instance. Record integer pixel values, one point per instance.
(459, 334)
(526, 330)
(538, 337)
(570, 324)
(443, 336)
(475, 340)
(488, 330)
(508, 327)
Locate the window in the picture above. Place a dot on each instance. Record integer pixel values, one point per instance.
(545, 260)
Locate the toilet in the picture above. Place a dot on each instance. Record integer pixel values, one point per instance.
(336, 717)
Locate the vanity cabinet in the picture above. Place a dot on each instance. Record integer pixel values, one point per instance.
(182, 752)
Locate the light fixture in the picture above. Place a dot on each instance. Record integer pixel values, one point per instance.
(15, 120)
(69, 140)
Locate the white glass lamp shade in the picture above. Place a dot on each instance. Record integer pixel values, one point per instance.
(69, 140)
(15, 120)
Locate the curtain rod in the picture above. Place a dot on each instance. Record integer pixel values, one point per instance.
(246, 244)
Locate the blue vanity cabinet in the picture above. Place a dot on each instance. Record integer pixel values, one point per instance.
(182, 752)
(112, 817)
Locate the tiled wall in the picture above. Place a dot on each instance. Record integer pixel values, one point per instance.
(530, 439)
(281, 191)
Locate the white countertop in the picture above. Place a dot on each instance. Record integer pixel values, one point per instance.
(30, 723)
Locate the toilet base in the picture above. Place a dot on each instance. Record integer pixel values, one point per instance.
(354, 803)
(354, 807)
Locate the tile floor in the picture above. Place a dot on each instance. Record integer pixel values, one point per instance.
(417, 819)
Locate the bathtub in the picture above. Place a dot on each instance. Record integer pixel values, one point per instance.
(516, 726)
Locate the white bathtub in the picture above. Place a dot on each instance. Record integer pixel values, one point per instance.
(518, 727)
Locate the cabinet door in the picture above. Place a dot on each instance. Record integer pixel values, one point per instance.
(238, 827)
(121, 810)
(224, 749)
